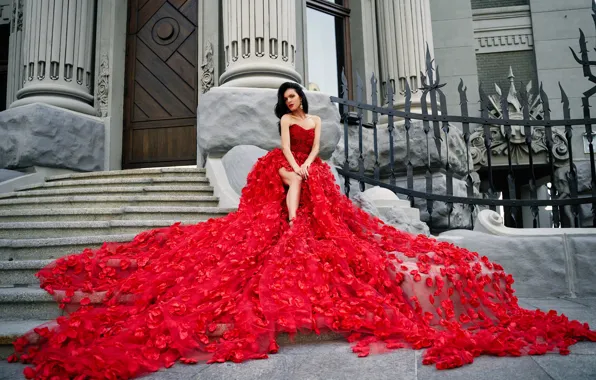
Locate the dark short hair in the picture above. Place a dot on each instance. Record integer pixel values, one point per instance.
(281, 108)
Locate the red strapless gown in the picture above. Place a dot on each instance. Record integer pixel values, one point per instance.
(223, 289)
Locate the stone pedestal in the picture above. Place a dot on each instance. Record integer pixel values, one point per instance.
(259, 43)
(58, 46)
(228, 117)
(48, 136)
(404, 33)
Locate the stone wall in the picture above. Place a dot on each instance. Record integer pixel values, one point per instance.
(493, 69)
(453, 35)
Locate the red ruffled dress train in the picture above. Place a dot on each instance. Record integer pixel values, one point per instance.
(222, 290)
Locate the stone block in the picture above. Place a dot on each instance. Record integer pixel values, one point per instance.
(584, 188)
(582, 250)
(486, 368)
(6, 174)
(538, 264)
(461, 215)
(230, 116)
(449, 10)
(562, 24)
(577, 367)
(238, 162)
(418, 151)
(43, 135)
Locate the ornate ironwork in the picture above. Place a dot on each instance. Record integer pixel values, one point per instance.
(516, 124)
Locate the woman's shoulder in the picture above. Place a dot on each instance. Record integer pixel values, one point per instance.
(315, 118)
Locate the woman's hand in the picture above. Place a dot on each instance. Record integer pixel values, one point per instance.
(301, 171)
(304, 169)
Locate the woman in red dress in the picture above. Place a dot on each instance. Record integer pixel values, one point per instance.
(297, 257)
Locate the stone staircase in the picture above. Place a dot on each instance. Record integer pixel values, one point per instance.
(67, 213)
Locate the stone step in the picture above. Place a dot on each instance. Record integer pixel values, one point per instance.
(11, 330)
(114, 213)
(20, 272)
(129, 173)
(118, 181)
(116, 190)
(101, 201)
(27, 303)
(36, 230)
(52, 248)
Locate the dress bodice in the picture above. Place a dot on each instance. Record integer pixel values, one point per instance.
(301, 139)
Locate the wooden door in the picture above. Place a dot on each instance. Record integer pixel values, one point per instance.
(161, 84)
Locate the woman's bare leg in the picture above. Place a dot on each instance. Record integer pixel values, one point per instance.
(294, 182)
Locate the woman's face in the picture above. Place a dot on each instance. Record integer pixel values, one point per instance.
(292, 99)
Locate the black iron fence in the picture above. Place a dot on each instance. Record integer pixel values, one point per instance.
(437, 125)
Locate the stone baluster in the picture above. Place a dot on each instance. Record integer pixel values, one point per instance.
(404, 30)
(58, 48)
(260, 43)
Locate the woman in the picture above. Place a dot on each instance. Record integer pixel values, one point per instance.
(297, 256)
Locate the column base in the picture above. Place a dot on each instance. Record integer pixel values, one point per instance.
(259, 75)
(57, 95)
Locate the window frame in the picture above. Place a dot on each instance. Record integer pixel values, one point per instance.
(342, 11)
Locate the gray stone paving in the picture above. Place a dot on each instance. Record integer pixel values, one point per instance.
(334, 360)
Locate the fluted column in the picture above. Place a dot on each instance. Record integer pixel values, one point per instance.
(15, 52)
(404, 30)
(58, 46)
(260, 43)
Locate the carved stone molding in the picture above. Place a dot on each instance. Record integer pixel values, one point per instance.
(503, 29)
(207, 75)
(103, 86)
(517, 139)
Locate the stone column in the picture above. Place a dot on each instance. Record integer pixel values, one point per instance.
(404, 30)
(58, 47)
(259, 43)
(15, 52)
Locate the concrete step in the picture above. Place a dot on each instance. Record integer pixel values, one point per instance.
(115, 190)
(20, 272)
(27, 303)
(53, 248)
(36, 230)
(101, 201)
(113, 213)
(129, 173)
(119, 181)
(11, 330)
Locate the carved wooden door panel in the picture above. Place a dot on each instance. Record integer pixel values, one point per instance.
(161, 84)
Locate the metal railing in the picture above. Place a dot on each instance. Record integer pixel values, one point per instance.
(436, 126)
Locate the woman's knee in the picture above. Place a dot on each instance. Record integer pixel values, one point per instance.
(295, 179)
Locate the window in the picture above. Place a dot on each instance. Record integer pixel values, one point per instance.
(328, 41)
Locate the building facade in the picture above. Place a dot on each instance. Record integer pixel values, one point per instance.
(128, 77)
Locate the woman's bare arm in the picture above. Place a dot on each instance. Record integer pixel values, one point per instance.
(316, 143)
(285, 142)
